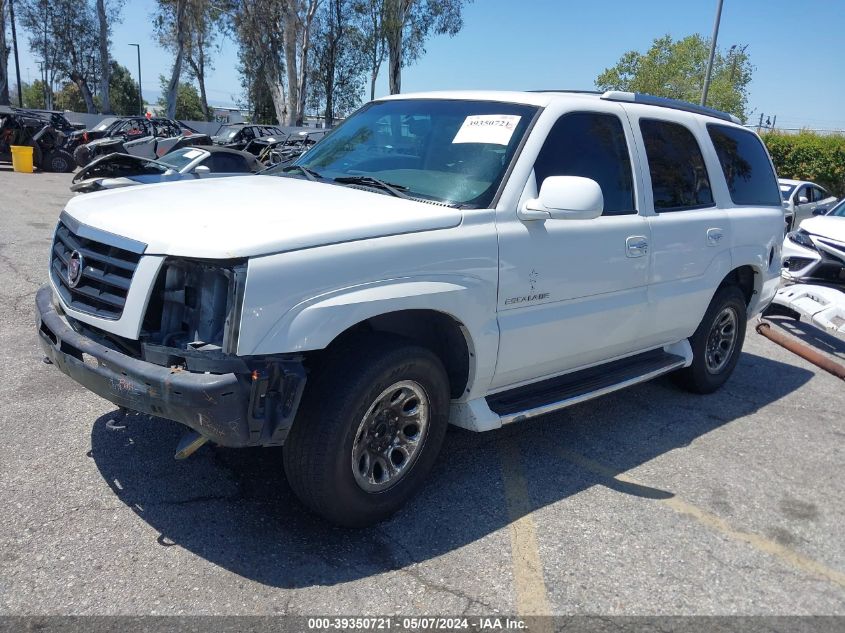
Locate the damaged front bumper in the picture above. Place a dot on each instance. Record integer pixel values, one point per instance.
(248, 404)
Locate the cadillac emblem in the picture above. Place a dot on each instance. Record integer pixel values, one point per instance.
(74, 269)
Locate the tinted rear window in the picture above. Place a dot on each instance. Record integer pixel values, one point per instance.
(746, 166)
(679, 179)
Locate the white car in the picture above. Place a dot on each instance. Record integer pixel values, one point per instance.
(816, 251)
(803, 199)
(479, 258)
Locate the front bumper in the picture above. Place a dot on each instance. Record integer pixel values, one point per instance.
(232, 409)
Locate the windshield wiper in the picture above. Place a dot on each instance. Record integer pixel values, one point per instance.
(309, 173)
(369, 181)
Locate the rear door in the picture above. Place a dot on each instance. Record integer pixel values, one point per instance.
(821, 200)
(690, 233)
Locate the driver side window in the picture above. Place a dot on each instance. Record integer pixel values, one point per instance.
(590, 145)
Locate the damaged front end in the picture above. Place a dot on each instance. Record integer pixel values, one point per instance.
(183, 365)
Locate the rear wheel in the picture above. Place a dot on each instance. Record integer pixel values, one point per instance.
(59, 161)
(369, 431)
(717, 343)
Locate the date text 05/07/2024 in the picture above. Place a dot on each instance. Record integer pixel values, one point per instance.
(386, 623)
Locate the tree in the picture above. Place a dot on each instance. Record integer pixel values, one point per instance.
(123, 90)
(33, 95)
(407, 24)
(171, 26)
(203, 21)
(187, 103)
(257, 26)
(258, 101)
(69, 98)
(676, 69)
(297, 17)
(103, 41)
(4, 57)
(369, 18)
(67, 35)
(336, 75)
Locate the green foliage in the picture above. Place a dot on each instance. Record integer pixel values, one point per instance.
(33, 95)
(69, 98)
(676, 69)
(809, 156)
(123, 90)
(188, 105)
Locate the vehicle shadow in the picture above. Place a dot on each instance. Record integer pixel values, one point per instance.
(235, 509)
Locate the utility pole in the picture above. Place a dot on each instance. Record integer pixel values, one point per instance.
(42, 71)
(15, 47)
(140, 96)
(712, 54)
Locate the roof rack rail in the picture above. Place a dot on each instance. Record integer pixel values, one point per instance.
(664, 102)
(583, 92)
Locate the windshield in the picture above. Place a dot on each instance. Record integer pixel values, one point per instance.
(228, 131)
(838, 210)
(181, 157)
(786, 191)
(451, 151)
(105, 123)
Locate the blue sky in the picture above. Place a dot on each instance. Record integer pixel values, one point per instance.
(532, 44)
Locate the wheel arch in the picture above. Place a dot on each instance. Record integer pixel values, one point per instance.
(747, 278)
(441, 333)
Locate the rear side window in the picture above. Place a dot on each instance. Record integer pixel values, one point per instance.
(746, 166)
(679, 179)
(228, 163)
(590, 145)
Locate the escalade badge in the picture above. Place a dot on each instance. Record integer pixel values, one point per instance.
(74, 268)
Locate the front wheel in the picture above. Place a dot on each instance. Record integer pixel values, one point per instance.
(717, 343)
(369, 431)
(82, 155)
(59, 161)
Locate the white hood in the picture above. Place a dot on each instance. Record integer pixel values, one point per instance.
(829, 226)
(222, 218)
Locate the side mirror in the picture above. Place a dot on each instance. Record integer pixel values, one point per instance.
(803, 200)
(565, 198)
(169, 172)
(819, 211)
(202, 170)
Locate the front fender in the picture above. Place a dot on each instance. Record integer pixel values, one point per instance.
(313, 324)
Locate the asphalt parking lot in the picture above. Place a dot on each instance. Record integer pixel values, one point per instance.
(648, 501)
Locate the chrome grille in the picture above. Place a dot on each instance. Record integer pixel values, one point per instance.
(106, 273)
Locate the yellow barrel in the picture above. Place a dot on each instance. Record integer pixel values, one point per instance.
(22, 158)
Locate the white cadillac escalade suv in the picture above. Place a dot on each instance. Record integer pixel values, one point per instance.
(477, 258)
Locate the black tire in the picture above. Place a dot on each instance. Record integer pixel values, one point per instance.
(59, 161)
(318, 453)
(82, 155)
(706, 375)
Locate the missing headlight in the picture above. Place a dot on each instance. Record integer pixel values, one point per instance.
(196, 305)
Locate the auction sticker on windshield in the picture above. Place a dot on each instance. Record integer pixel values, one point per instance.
(496, 129)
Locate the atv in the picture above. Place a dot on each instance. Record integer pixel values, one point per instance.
(34, 129)
(138, 136)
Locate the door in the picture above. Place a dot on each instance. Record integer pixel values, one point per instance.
(573, 292)
(820, 201)
(803, 204)
(690, 234)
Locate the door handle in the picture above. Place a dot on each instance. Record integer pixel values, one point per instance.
(714, 236)
(636, 246)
